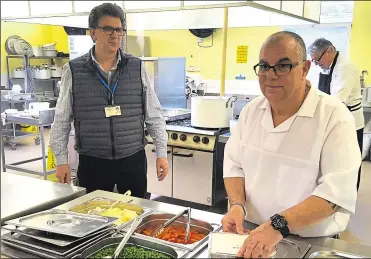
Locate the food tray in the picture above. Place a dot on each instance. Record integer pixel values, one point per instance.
(156, 219)
(63, 222)
(133, 241)
(105, 203)
(284, 249)
(52, 238)
(40, 248)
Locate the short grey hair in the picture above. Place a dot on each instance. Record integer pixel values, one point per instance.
(300, 45)
(320, 45)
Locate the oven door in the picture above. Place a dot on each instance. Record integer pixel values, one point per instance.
(165, 187)
(192, 175)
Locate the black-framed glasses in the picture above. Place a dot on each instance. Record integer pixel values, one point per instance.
(319, 59)
(109, 30)
(279, 69)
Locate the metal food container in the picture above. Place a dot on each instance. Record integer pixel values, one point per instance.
(156, 219)
(47, 250)
(63, 222)
(226, 245)
(85, 207)
(133, 241)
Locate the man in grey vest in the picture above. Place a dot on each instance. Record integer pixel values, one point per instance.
(107, 95)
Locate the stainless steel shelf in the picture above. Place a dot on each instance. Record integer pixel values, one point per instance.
(9, 134)
(18, 101)
(43, 57)
(36, 79)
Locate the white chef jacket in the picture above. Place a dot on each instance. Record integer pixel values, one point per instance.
(345, 85)
(314, 152)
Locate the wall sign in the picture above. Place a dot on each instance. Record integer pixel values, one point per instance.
(241, 56)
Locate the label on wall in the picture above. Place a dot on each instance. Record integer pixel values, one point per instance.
(241, 56)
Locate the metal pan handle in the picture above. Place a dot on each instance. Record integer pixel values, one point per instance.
(231, 99)
(182, 155)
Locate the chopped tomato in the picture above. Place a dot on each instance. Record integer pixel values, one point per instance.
(176, 235)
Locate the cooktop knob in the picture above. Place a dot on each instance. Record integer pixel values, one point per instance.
(174, 136)
(196, 139)
(183, 137)
(205, 140)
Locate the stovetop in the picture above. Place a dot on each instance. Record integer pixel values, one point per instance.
(186, 127)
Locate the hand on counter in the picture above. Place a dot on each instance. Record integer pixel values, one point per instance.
(63, 173)
(233, 221)
(261, 242)
(162, 168)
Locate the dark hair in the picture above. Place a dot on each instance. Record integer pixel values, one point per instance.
(278, 36)
(106, 9)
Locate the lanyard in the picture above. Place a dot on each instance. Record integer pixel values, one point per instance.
(113, 90)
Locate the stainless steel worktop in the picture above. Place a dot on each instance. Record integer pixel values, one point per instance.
(23, 195)
(317, 243)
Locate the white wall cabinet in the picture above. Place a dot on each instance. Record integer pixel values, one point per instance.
(50, 7)
(87, 6)
(8, 10)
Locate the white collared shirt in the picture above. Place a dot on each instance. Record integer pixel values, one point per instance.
(346, 85)
(315, 152)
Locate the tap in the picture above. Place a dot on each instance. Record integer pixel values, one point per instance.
(362, 78)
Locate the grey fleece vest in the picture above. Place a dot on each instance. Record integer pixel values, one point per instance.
(115, 137)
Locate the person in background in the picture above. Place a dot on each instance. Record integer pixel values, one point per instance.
(340, 78)
(107, 95)
(291, 164)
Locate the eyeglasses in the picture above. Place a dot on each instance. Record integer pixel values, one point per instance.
(109, 30)
(319, 59)
(279, 69)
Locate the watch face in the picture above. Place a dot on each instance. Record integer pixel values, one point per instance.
(279, 222)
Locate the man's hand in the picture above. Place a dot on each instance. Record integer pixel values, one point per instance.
(63, 173)
(162, 167)
(308, 83)
(261, 242)
(233, 221)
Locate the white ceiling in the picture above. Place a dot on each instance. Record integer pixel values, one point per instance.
(184, 19)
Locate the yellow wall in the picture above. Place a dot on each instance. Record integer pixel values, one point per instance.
(35, 34)
(360, 42)
(182, 43)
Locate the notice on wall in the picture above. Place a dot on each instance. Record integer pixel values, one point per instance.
(241, 57)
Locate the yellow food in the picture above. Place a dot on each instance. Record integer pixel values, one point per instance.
(124, 215)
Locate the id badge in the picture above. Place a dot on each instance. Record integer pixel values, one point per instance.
(112, 111)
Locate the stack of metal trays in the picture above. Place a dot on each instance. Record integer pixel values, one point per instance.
(57, 233)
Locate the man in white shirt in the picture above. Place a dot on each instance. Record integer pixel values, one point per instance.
(340, 79)
(291, 164)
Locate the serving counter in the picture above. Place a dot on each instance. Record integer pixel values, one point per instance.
(23, 195)
(317, 244)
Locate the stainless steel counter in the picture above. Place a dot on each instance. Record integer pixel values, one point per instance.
(23, 195)
(317, 243)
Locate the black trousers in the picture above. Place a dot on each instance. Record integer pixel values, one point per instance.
(129, 173)
(360, 143)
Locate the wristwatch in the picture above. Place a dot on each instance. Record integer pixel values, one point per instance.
(280, 224)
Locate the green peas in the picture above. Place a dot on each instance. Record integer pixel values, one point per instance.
(130, 253)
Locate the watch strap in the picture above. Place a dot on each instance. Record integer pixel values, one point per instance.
(282, 228)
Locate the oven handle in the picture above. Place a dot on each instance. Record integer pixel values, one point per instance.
(182, 155)
(154, 151)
